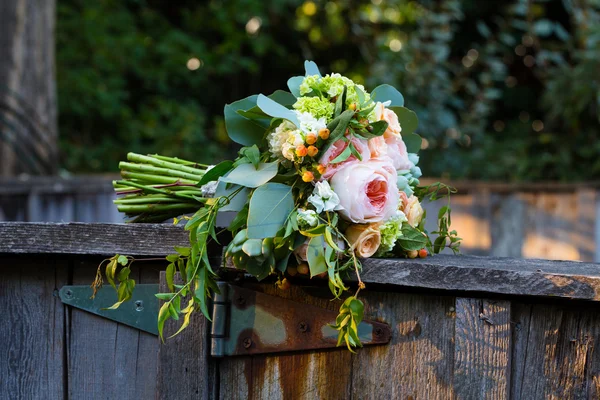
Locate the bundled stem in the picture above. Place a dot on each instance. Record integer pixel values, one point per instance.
(156, 188)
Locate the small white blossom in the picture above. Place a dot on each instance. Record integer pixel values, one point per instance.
(307, 218)
(308, 123)
(324, 198)
(279, 137)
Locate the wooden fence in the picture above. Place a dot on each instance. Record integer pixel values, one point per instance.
(463, 327)
(551, 221)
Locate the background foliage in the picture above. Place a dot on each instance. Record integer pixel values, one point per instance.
(505, 90)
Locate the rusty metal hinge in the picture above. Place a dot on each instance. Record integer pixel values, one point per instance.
(250, 322)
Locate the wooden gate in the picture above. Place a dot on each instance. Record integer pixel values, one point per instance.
(462, 327)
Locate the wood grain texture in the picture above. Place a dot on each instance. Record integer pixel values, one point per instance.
(482, 349)
(184, 369)
(566, 279)
(558, 353)
(108, 360)
(303, 375)
(90, 239)
(32, 348)
(417, 364)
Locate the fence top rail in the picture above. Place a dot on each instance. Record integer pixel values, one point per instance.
(505, 276)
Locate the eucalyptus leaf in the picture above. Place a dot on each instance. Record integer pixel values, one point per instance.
(237, 202)
(412, 142)
(270, 206)
(248, 176)
(386, 92)
(216, 172)
(294, 85)
(252, 247)
(407, 118)
(241, 129)
(311, 68)
(276, 110)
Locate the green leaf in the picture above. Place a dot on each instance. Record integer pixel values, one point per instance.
(252, 154)
(330, 241)
(276, 110)
(270, 206)
(185, 323)
(110, 272)
(311, 68)
(252, 247)
(343, 155)
(294, 85)
(340, 103)
(316, 256)
(123, 260)
(164, 296)
(216, 172)
(411, 238)
(407, 118)
(170, 275)
(237, 202)
(442, 211)
(314, 232)
(412, 142)
(123, 274)
(384, 93)
(240, 129)
(249, 176)
(184, 251)
(163, 315)
(283, 97)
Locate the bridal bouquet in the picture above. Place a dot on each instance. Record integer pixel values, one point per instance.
(327, 176)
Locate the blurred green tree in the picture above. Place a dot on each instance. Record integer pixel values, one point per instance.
(504, 90)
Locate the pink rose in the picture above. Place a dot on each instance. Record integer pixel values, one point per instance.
(397, 152)
(337, 148)
(385, 114)
(367, 191)
(378, 147)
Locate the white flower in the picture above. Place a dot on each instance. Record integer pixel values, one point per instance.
(210, 188)
(324, 198)
(307, 218)
(308, 123)
(282, 139)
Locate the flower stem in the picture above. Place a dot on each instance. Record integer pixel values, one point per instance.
(150, 169)
(166, 162)
(167, 192)
(154, 178)
(156, 208)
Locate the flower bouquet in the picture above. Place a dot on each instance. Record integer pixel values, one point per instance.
(327, 176)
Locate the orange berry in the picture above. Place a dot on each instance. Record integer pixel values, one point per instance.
(303, 269)
(311, 138)
(308, 176)
(322, 275)
(324, 133)
(321, 168)
(412, 254)
(423, 253)
(292, 270)
(352, 106)
(301, 151)
(312, 151)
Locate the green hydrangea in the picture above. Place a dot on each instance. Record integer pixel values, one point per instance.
(390, 232)
(316, 106)
(333, 85)
(309, 84)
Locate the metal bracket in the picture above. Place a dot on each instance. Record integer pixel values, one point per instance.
(141, 312)
(249, 322)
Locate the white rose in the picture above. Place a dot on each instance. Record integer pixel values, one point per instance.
(307, 218)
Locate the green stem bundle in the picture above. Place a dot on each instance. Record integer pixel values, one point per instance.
(156, 188)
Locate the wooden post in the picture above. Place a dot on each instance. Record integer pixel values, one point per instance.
(28, 107)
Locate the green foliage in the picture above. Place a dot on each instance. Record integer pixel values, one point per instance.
(270, 208)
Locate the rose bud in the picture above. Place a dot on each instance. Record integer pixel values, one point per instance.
(312, 151)
(324, 133)
(311, 138)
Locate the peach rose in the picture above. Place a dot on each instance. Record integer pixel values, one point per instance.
(367, 191)
(403, 201)
(396, 150)
(364, 239)
(337, 148)
(382, 113)
(413, 211)
(378, 147)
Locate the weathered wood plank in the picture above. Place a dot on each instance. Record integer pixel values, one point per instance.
(90, 239)
(558, 353)
(32, 349)
(104, 356)
(417, 364)
(507, 226)
(184, 370)
(305, 375)
(482, 349)
(544, 278)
